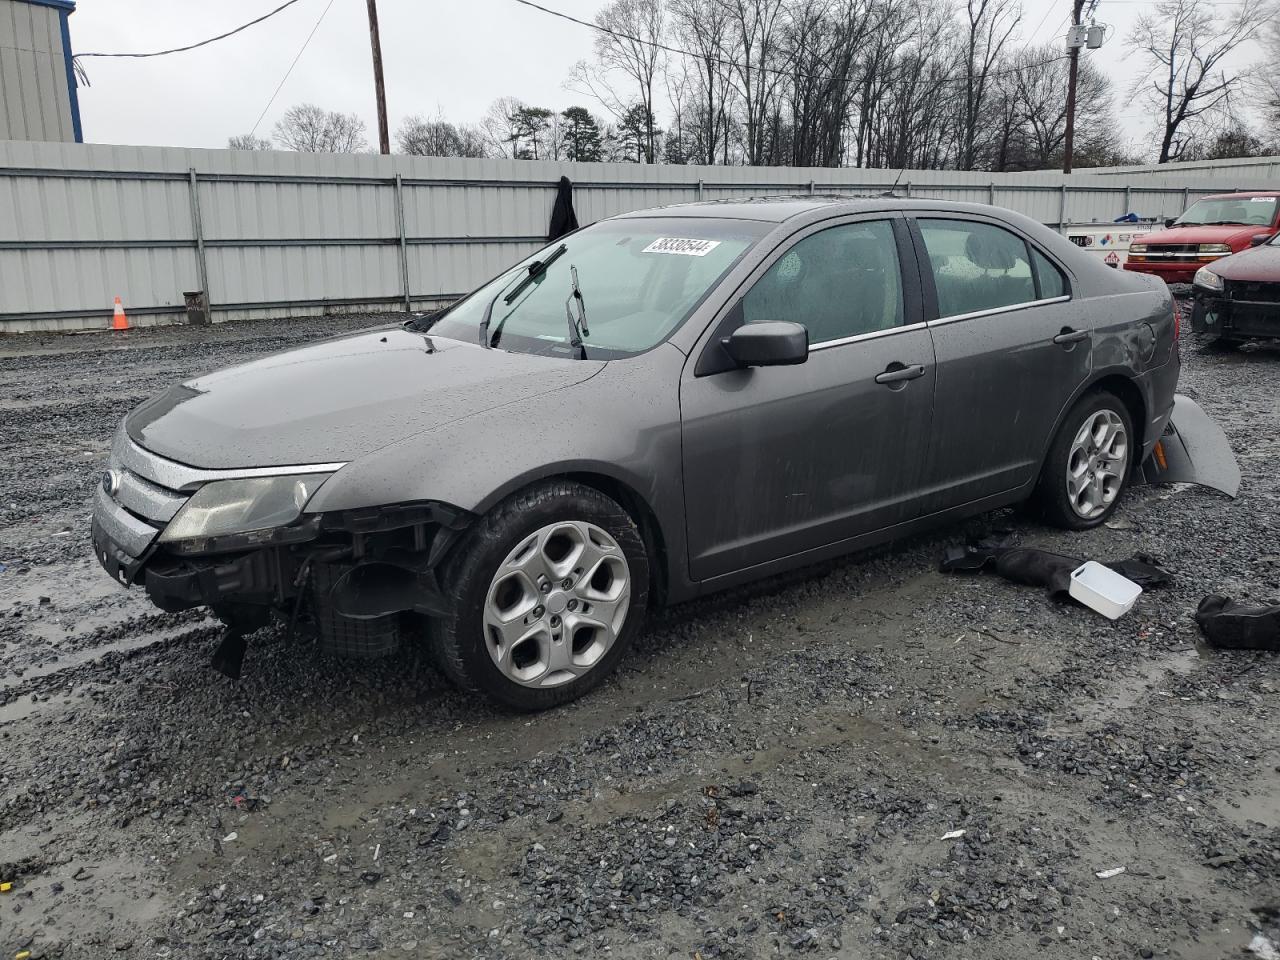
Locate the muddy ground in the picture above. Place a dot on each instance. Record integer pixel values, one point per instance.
(770, 773)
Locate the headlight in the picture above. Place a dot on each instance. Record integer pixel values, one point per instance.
(242, 506)
(1209, 280)
(1214, 248)
(1137, 248)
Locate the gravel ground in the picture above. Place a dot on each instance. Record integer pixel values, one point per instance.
(777, 771)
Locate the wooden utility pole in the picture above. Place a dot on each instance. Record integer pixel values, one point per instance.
(1077, 7)
(384, 135)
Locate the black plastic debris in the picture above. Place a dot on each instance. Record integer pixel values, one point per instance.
(1232, 625)
(229, 657)
(1043, 568)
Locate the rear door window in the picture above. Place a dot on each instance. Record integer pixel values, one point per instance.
(977, 266)
(1052, 282)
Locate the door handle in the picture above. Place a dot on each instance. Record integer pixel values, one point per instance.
(899, 373)
(1068, 336)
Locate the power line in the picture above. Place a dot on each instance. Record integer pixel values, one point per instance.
(202, 43)
(305, 44)
(763, 69)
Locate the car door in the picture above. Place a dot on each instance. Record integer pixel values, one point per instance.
(781, 460)
(1011, 346)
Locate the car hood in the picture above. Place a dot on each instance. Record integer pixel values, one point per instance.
(1255, 264)
(1234, 234)
(339, 399)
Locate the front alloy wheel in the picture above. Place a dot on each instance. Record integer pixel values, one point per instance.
(547, 591)
(557, 604)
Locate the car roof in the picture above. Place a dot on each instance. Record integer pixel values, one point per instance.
(777, 209)
(1242, 195)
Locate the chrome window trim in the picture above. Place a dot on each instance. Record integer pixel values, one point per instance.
(994, 311)
(185, 479)
(870, 335)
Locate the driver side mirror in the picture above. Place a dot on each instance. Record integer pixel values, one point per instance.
(772, 343)
(1170, 221)
(1258, 239)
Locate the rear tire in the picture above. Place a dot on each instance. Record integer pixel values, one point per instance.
(515, 631)
(1089, 464)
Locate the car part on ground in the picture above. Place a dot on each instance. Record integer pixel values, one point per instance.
(1233, 625)
(1193, 449)
(1031, 566)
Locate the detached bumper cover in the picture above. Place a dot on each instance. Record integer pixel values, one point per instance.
(1193, 449)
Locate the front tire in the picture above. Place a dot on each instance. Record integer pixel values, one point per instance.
(1089, 464)
(548, 590)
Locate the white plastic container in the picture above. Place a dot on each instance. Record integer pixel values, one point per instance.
(1102, 589)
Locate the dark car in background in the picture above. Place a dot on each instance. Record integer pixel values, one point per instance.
(657, 406)
(1211, 228)
(1238, 298)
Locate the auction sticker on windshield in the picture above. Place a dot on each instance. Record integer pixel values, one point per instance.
(683, 246)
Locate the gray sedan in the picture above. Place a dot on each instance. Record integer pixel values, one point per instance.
(657, 406)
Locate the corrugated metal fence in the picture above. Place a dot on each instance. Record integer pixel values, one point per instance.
(274, 234)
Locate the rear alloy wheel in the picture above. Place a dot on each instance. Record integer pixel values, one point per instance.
(1088, 465)
(548, 590)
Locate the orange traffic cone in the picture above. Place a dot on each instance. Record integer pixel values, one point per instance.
(119, 321)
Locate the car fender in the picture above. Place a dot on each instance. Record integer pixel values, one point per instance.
(621, 425)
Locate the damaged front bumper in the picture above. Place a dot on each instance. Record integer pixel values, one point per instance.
(1193, 449)
(1240, 312)
(350, 567)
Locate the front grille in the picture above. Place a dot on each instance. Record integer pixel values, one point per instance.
(1257, 292)
(1172, 251)
(145, 499)
(144, 483)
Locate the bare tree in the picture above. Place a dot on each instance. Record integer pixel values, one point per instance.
(1268, 73)
(628, 44)
(439, 138)
(247, 141)
(757, 68)
(1183, 46)
(988, 26)
(701, 26)
(1033, 88)
(311, 129)
(515, 129)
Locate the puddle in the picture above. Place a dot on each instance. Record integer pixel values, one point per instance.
(1127, 692)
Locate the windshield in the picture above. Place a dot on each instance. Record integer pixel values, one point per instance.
(1251, 211)
(639, 279)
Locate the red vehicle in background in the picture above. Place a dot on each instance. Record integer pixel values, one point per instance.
(1211, 228)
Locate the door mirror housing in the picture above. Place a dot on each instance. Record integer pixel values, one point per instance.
(1169, 221)
(1258, 239)
(772, 343)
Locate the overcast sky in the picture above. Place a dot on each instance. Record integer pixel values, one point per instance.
(440, 56)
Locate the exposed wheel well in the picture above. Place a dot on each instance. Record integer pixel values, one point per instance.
(645, 519)
(1131, 397)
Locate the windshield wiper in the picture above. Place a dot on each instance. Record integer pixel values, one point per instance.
(536, 269)
(577, 325)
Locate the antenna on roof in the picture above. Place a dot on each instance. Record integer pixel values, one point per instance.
(890, 192)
